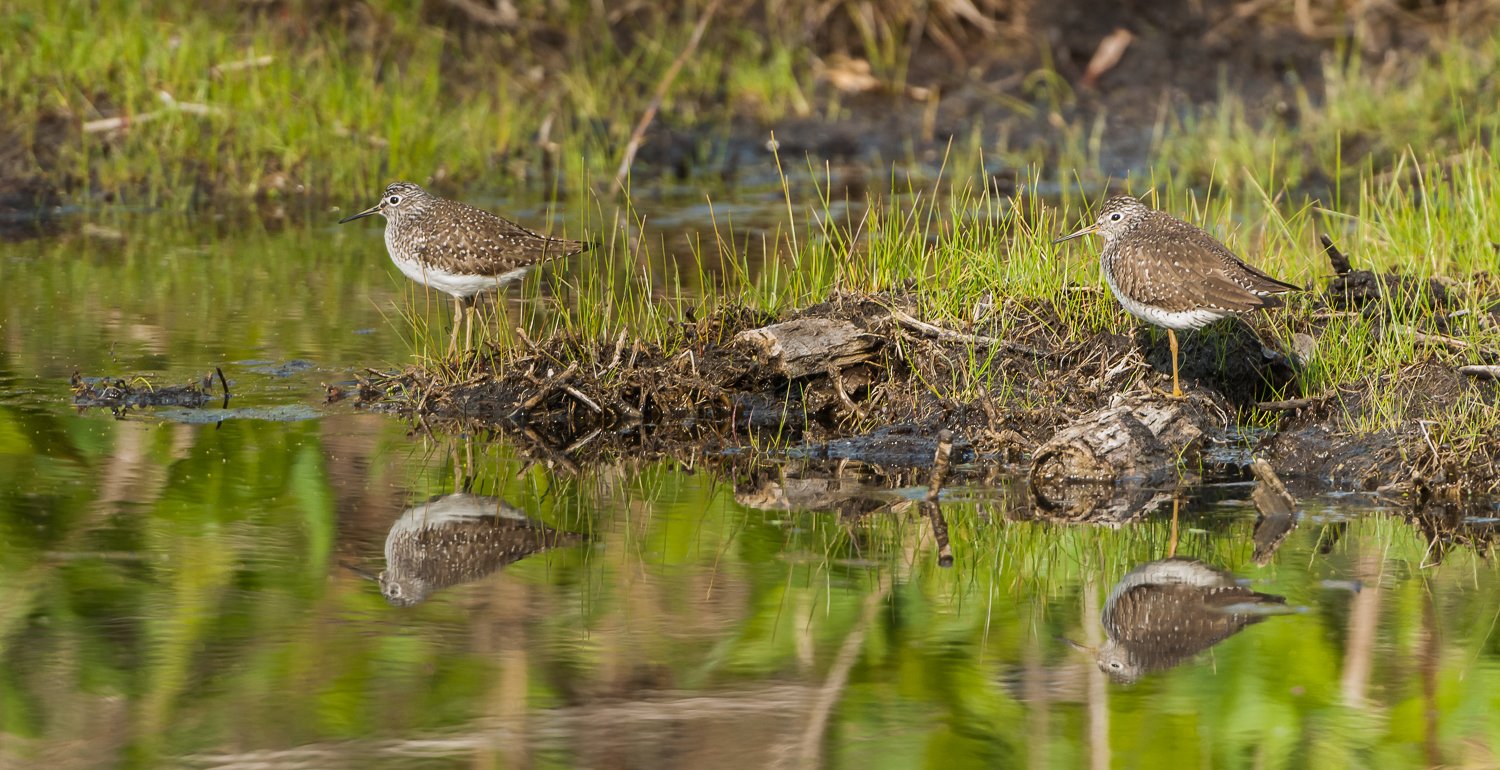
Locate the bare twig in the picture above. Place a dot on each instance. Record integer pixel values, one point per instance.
(1336, 258)
(1442, 340)
(252, 62)
(838, 675)
(948, 335)
(585, 400)
(940, 464)
(581, 443)
(934, 512)
(837, 377)
(1491, 372)
(1293, 404)
(547, 388)
(120, 122)
(225, 383)
(639, 134)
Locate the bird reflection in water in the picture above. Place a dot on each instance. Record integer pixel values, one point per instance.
(1164, 612)
(456, 539)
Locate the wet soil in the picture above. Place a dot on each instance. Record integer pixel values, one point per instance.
(1068, 408)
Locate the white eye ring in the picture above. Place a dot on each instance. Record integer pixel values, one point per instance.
(393, 200)
(1115, 217)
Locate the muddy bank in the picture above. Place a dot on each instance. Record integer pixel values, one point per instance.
(860, 377)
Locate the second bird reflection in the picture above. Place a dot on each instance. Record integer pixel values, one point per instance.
(459, 538)
(1162, 613)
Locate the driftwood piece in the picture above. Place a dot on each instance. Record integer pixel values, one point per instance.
(1133, 443)
(1104, 446)
(930, 505)
(808, 345)
(1491, 372)
(1277, 509)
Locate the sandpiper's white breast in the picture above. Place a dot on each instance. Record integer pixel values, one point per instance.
(1178, 321)
(457, 284)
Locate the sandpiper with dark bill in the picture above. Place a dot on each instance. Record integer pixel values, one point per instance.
(1173, 274)
(458, 249)
(1163, 613)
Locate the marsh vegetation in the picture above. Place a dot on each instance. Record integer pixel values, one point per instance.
(615, 532)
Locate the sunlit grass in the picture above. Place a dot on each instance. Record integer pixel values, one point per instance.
(983, 263)
(1363, 117)
(285, 111)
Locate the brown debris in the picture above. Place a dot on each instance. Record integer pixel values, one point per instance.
(809, 346)
(854, 378)
(120, 395)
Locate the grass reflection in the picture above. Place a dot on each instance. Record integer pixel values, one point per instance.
(215, 609)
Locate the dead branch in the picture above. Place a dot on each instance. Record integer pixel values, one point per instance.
(639, 134)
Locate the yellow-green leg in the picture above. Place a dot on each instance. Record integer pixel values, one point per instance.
(458, 311)
(1176, 388)
(1172, 541)
(469, 314)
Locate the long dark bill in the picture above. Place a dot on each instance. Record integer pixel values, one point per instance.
(367, 212)
(1079, 234)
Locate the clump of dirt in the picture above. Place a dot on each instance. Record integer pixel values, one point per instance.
(740, 377)
(120, 396)
(1327, 438)
(1323, 442)
(861, 377)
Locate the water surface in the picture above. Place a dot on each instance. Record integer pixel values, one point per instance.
(293, 584)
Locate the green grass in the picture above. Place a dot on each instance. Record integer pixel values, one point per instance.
(975, 261)
(341, 107)
(1360, 117)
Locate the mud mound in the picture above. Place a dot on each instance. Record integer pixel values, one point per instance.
(861, 377)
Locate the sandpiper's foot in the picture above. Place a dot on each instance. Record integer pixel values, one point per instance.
(1174, 394)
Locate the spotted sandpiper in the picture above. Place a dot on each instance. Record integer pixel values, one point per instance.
(1173, 274)
(458, 249)
(1164, 612)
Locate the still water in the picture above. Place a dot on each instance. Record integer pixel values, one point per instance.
(301, 585)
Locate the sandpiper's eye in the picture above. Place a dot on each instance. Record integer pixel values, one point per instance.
(393, 200)
(1115, 217)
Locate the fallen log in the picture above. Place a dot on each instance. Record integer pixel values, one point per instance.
(809, 346)
(1134, 443)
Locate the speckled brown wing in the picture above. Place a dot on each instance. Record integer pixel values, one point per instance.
(471, 241)
(463, 551)
(1165, 623)
(1178, 267)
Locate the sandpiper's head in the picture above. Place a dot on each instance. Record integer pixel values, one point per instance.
(1117, 662)
(402, 590)
(1114, 659)
(1119, 215)
(399, 199)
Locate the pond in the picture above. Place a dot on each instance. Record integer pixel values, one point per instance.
(295, 584)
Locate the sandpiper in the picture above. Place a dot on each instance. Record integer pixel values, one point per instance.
(458, 249)
(1165, 612)
(1173, 274)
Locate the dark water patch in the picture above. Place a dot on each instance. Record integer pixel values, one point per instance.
(279, 369)
(283, 413)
